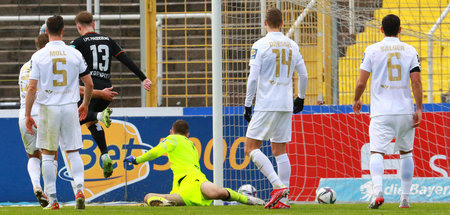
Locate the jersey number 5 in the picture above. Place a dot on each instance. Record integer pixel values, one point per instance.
(104, 51)
(391, 67)
(283, 60)
(59, 72)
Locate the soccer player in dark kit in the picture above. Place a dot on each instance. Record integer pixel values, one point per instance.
(98, 51)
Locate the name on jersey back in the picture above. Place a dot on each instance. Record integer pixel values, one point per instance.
(392, 48)
(57, 53)
(280, 44)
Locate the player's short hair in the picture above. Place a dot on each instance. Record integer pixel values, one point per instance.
(55, 25)
(180, 127)
(41, 41)
(274, 17)
(84, 18)
(391, 25)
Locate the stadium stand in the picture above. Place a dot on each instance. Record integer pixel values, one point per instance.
(17, 42)
(417, 18)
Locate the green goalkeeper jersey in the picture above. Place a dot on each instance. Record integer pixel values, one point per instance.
(183, 155)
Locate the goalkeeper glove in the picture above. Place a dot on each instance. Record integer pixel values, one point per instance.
(248, 113)
(298, 104)
(130, 159)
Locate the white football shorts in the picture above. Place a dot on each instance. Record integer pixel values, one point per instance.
(383, 129)
(29, 140)
(59, 124)
(273, 125)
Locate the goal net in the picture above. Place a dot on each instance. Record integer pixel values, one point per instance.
(329, 143)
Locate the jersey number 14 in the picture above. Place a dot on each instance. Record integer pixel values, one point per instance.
(283, 60)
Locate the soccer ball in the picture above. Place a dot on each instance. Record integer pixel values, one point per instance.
(248, 190)
(325, 195)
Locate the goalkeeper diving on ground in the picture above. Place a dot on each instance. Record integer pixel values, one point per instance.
(190, 186)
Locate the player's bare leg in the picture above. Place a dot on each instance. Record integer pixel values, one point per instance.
(99, 136)
(156, 199)
(266, 167)
(284, 171)
(212, 191)
(406, 171)
(251, 144)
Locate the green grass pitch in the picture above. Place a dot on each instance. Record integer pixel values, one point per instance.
(359, 209)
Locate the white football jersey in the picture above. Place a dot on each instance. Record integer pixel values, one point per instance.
(57, 68)
(24, 76)
(390, 61)
(277, 56)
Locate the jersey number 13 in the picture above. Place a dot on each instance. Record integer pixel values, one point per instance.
(103, 50)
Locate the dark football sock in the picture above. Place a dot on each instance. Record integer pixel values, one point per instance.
(91, 116)
(99, 136)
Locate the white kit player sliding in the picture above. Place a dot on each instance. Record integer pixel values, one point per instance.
(393, 65)
(55, 71)
(272, 63)
(29, 140)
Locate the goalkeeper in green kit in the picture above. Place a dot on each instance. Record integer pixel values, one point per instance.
(190, 185)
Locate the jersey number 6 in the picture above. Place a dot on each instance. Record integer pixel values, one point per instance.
(391, 67)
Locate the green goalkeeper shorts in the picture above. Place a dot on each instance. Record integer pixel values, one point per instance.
(188, 188)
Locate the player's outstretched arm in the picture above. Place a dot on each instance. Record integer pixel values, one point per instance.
(123, 58)
(359, 90)
(416, 85)
(152, 154)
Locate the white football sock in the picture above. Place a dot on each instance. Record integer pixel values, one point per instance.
(49, 176)
(284, 168)
(376, 172)
(265, 166)
(77, 168)
(99, 117)
(55, 162)
(284, 171)
(407, 171)
(34, 170)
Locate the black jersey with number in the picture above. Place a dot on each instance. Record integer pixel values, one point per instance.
(98, 51)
